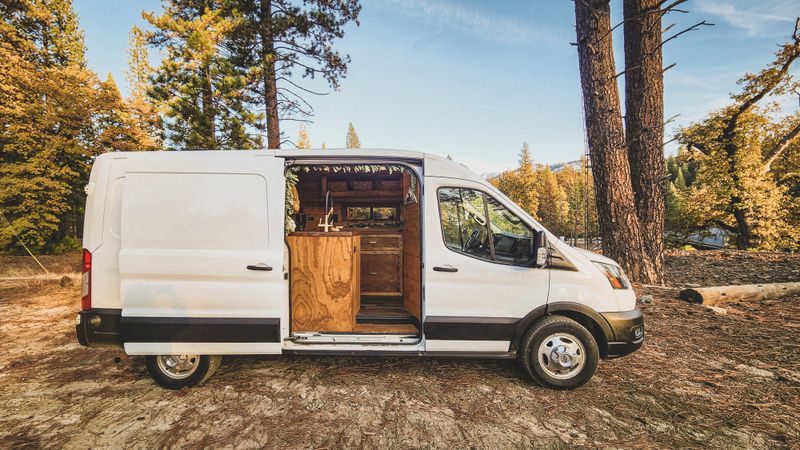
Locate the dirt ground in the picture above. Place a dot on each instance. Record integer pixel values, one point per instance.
(702, 379)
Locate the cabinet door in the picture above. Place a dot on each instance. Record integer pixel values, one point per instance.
(380, 273)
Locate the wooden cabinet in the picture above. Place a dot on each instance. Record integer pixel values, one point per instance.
(380, 273)
(381, 242)
(325, 280)
(381, 264)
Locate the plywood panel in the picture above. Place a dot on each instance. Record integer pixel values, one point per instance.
(411, 259)
(324, 281)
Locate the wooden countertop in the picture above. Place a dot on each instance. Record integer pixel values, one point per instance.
(360, 231)
(322, 233)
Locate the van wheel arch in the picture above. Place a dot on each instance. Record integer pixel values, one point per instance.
(587, 317)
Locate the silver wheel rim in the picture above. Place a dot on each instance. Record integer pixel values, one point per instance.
(178, 366)
(561, 356)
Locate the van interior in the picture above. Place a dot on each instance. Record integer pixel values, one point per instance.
(355, 249)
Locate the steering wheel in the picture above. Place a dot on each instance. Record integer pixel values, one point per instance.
(472, 239)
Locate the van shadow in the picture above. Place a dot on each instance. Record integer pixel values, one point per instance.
(393, 372)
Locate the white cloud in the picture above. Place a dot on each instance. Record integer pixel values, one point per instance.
(754, 17)
(478, 22)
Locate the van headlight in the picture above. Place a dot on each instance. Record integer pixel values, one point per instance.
(614, 274)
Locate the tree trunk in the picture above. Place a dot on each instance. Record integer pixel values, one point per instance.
(743, 235)
(710, 296)
(619, 226)
(268, 69)
(644, 122)
(209, 114)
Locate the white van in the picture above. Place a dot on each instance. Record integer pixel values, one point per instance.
(192, 255)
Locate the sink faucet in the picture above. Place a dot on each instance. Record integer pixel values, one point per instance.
(328, 224)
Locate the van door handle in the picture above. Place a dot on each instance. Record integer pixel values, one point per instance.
(447, 268)
(259, 267)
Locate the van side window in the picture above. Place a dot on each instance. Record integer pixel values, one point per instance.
(504, 238)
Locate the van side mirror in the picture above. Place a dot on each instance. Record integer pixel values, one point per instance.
(540, 249)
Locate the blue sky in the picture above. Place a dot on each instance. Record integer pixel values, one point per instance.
(475, 79)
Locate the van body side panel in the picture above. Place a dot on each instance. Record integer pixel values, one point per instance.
(581, 287)
(188, 234)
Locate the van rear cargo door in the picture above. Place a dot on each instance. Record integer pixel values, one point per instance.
(201, 254)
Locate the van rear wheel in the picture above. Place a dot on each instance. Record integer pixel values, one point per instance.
(179, 371)
(559, 353)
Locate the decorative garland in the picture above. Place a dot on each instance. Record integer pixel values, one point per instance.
(292, 178)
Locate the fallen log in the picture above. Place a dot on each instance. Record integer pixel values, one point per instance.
(715, 295)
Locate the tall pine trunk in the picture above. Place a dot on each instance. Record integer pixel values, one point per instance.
(644, 122)
(208, 129)
(268, 69)
(619, 225)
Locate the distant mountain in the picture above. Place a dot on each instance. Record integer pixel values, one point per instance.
(562, 165)
(556, 167)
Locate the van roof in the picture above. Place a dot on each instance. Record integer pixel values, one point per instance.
(352, 152)
(435, 165)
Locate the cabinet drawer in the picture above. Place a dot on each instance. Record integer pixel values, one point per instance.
(381, 273)
(380, 242)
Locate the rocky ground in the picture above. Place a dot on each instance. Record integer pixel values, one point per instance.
(702, 379)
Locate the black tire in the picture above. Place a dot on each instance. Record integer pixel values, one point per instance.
(534, 363)
(206, 366)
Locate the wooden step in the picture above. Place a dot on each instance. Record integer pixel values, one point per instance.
(384, 315)
(372, 328)
(382, 300)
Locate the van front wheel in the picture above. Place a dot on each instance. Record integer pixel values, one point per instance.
(559, 353)
(179, 371)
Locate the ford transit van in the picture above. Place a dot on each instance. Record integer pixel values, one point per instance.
(192, 255)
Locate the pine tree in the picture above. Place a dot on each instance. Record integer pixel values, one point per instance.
(553, 206)
(680, 180)
(202, 92)
(644, 122)
(275, 38)
(46, 112)
(139, 70)
(120, 125)
(61, 36)
(302, 138)
(522, 184)
(577, 185)
(140, 107)
(616, 205)
(352, 141)
(737, 148)
(672, 165)
(57, 116)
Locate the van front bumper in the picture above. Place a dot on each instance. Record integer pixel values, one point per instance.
(99, 327)
(628, 330)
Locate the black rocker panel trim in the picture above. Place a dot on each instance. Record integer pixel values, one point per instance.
(470, 328)
(104, 333)
(201, 329)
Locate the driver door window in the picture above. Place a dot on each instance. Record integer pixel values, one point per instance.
(504, 238)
